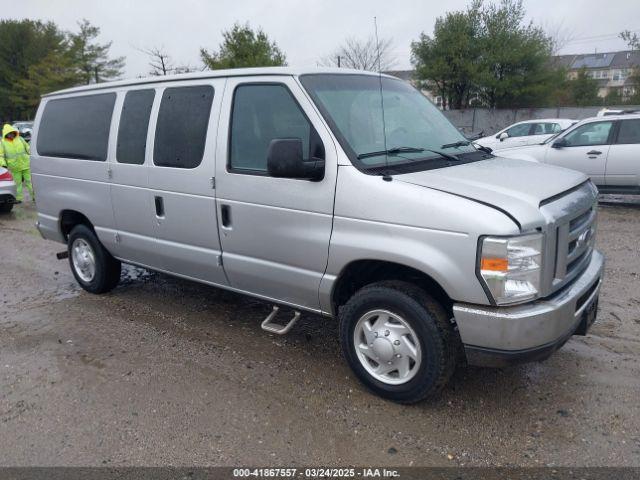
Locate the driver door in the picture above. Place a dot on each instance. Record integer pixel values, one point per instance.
(586, 150)
(274, 231)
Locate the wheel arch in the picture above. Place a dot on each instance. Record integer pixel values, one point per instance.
(359, 273)
(69, 219)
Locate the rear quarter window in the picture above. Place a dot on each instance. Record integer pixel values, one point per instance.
(76, 127)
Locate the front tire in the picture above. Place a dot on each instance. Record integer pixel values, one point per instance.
(398, 341)
(91, 264)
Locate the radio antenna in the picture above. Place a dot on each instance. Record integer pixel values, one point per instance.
(386, 176)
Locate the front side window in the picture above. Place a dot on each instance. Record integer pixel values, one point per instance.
(373, 117)
(629, 132)
(260, 114)
(521, 130)
(596, 133)
(181, 130)
(77, 127)
(134, 123)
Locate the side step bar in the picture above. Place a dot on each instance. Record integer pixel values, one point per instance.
(269, 326)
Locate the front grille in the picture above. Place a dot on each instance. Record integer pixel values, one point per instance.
(575, 244)
(571, 224)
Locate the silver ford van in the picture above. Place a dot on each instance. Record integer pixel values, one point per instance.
(338, 192)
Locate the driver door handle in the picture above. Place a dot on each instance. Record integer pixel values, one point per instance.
(594, 152)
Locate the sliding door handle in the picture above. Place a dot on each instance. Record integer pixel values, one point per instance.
(225, 216)
(159, 207)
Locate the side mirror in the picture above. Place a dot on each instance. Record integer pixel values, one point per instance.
(284, 160)
(561, 142)
(502, 136)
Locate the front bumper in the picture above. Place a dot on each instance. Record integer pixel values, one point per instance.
(499, 336)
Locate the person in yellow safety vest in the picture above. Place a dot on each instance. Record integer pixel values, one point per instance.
(14, 154)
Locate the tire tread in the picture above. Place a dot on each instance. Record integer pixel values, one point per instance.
(449, 340)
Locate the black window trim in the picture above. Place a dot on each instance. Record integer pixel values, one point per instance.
(126, 92)
(157, 117)
(261, 173)
(90, 93)
(532, 127)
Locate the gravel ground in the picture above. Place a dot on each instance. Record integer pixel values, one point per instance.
(167, 372)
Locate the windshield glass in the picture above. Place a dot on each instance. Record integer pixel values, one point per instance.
(413, 126)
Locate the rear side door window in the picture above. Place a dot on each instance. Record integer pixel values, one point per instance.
(261, 113)
(629, 132)
(545, 128)
(181, 129)
(134, 123)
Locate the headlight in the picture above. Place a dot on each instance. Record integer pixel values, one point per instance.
(510, 267)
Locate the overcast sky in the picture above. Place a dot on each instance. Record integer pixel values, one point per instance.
(307, 30)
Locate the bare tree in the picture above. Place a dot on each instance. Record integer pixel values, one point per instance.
(361, 55)
(187, 69)
(162, 64)
(159, 61)
(631, 38)
(559, 34)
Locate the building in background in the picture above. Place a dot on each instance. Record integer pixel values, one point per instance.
(612, 70)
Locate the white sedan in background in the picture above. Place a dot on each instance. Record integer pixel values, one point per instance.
(7, 191)
(529, 132)
(606, 148)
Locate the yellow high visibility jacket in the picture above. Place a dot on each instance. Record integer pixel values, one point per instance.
(14, 154)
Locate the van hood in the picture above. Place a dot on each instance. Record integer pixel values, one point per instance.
(516, 187)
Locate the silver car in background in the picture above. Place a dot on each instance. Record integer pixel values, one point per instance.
(337, 192)
(7, 191)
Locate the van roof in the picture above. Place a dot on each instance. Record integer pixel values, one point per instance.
(236, 72)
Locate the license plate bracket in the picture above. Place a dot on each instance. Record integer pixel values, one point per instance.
(588, 317)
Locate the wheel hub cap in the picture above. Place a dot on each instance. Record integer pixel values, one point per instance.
(83, 259)
(383, 349)
(387, 347)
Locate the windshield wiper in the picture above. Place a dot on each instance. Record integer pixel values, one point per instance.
(460, 143)
(396, 150)
(391, 151)
(484, 149)
(443, 155)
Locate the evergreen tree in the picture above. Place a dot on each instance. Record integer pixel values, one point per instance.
(91, 58)
(243, 47)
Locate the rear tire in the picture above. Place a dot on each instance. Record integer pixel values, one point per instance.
(92, 265)
(6, 207)
(390, 322)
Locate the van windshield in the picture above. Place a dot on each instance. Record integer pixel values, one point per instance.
(415, 130)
